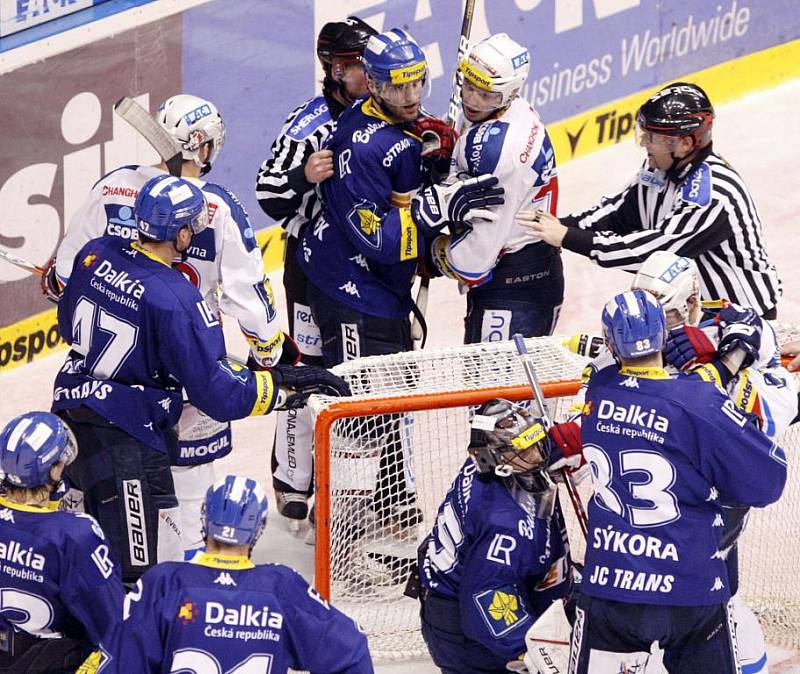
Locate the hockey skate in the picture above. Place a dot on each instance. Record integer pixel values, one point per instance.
(293, 507)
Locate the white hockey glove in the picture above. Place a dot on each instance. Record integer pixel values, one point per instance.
(461, 201)
(741, 330)
(296, 384)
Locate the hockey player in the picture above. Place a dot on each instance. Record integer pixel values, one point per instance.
(514, 281)
(139, 334)
(653, 571)
(221, 610)
(224, 263)
(495, 559)
(285, 189)
(686, 199)
(62, 594)
(361, 253)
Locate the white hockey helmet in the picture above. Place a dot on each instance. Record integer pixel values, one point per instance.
(192, 122)
(673, 281)
(497, 65)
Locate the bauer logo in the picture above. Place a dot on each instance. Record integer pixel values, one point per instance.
(135, 522)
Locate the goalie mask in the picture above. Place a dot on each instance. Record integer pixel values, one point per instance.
(30, 445)
(494, 72)
(674, 282)
(634, 325)
(235, 511)
(192, 122)
(508, 441)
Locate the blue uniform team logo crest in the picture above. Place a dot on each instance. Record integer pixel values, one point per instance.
(502, 609)
(365, 219)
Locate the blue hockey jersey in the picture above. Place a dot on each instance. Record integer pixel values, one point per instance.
(139, 333)
(502, 563)
(666, 454)
(58, 577)
(219, 612)
(362, 250)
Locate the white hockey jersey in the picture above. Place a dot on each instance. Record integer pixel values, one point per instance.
(517, 150)
(224, 261)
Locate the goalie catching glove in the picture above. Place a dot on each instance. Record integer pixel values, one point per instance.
(461, 201)
(296, 384)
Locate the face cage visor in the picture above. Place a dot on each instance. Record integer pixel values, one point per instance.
(479, 99)
(405, 94)
(199, 222)
(643, 136)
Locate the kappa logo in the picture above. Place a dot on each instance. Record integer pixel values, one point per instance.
(630, 382)
(350, 288)
(225, 579)
(6, 515)
(718, 584)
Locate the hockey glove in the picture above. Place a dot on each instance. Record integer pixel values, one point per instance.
(296, 384)
(567, 447)
(740, 329)
(438, 137)
(49, 283)
(688, 346)
(436, 205)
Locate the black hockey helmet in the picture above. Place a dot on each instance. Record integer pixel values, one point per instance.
(343, 39)
(506, 440)
(679, 109)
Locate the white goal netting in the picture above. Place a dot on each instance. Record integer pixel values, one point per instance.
(395, 447)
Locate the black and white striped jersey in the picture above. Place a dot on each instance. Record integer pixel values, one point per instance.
(705, 213)
(281, 187)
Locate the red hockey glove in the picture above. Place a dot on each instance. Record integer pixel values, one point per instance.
(49, 283)
(438, 137)
(688, 346)
(567, 447)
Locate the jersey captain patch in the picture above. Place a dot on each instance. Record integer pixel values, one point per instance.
(697, 189)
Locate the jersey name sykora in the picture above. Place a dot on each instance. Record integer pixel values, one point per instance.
(222, 611)
(362, 250)
(138, 333)
(517, 150)
(501, 562)
(666, 455)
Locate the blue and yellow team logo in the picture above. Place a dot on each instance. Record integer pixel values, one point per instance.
(502, 609)
(365, 219)
(188, 612)
(89, 260)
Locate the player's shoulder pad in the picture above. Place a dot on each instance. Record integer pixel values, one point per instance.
(237, 210)
(484, 146)
(80, 527)
(697, 188)
(127, 167)
(309, 118)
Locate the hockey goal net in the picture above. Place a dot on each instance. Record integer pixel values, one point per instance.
(386, 456)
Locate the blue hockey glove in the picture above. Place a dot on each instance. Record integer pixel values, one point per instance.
(688, 346)
(296, 384)
(740, 329)
(461, 201)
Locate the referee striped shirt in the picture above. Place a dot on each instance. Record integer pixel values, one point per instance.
(705, 212)
(281, 187)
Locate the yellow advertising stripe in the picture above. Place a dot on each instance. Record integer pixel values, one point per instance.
(29, 339)
(612, 122)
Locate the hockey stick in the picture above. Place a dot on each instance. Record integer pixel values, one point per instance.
(152, 132)
(453, 113)
(530, 371)
(20, 262)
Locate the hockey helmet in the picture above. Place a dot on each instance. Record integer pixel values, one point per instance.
(634, 324)
(235, 511)
(31, 444)
(193, 122)
(507, 440)
(494, 71)
(166, 204)
(397, 67)
(679, 109)
(674, 282)
(343, 39)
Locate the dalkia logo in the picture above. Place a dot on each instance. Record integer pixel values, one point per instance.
(15, 553)
(632, 414)
(242, 616)
(119, 279)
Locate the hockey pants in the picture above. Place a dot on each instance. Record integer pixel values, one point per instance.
(524, 295)
(610, 636)
(128, 489)
(292, 450)
(346, 335)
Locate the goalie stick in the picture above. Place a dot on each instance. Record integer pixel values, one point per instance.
(152, 132)
(533, 380)
(453, 112)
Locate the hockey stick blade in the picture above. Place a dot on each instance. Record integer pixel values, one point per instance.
(20, 262)
(422, 305)
(152, 132)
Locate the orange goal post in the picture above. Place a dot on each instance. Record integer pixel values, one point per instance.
(386, 456)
